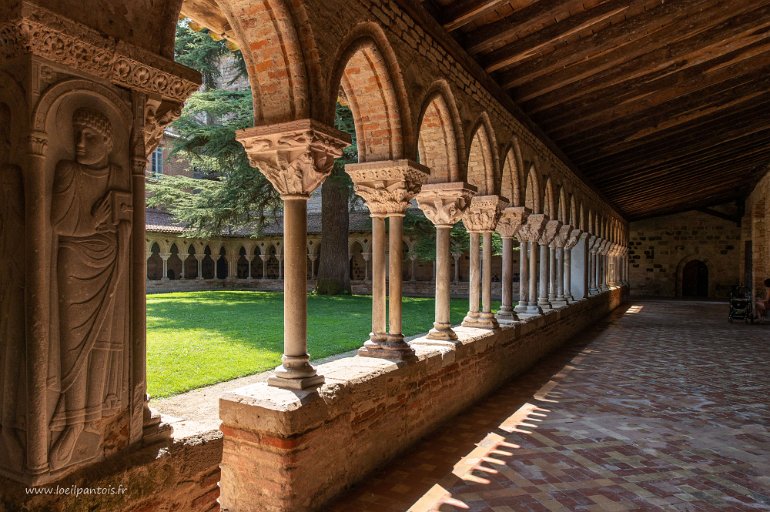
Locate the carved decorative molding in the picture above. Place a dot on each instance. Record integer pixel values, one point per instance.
(511, 220)
(157, 116)
(60, 40)
(388, 186)
(552, 228)
(445, 203)
(574, 238)
(483, 213)
(562, 235)
(533, 228)
(296, 156)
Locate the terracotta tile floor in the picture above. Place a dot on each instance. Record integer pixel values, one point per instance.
(662, 406)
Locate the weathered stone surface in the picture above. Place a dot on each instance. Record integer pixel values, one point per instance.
(445, 203)
(387, 187)
(511, 221)
(483, 213)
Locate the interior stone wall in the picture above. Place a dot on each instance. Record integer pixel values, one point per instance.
(659, 248)
(755, 229)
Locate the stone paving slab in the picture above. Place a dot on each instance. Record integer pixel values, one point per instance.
(663, 406)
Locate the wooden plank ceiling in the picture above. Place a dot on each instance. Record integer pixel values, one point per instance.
(663, 105)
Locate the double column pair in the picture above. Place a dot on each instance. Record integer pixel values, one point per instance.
(387, 187)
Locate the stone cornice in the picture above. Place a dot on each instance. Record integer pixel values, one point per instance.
(297, 156)
(483, 213)
(445, 203)
(511, 221)
(387, 186)
(46, 35)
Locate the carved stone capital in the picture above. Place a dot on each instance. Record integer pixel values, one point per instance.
(511, 221)
(483, 213)
(533, 228)
(387, 186)
(444, 203)
(296, 157)
(552, 228)
(562, 236)
(574, 238)
(53, 37)
(593, 243)
(158, 115)
(603, 247)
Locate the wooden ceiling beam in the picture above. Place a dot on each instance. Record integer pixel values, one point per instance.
(672, 93)
(530, 46)
(520, 23)
(459, 14)
(682, 129)
(707, 44)
(653, 24)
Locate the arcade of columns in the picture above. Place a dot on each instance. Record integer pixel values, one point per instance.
(86, 101)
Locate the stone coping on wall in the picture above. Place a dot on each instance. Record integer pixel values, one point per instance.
(295, 450)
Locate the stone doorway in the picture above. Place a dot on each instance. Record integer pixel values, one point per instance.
(695, 279)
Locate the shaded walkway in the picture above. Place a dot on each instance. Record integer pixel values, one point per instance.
(664, 405)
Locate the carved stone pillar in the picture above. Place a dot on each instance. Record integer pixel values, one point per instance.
(78, 114)
(508, 226)
(387, 187)
(265, 258)
(366, 256)
(444, 205)
(296, 157)
(313, 259)
(531, 232)
(551, 230)
(164, 256)
(521, 307)
(456, 257)
(412, 260)
(480, 219)
(604, 252)
(279, 257)
(249, 259)
(571, 242)
(558, 243)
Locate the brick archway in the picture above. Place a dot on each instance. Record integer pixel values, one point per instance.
(439, 136)
(483, 159)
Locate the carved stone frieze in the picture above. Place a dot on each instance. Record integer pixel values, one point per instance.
(561, 236)
(296, 156)
(388, 186)
(511, 220)
(445, 203)
(42, 33)
(533, 228)
(552, 228)
(483, 213)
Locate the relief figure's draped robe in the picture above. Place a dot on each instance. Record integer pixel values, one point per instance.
(88, 264)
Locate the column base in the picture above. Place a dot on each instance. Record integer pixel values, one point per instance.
(481, 321)
(442, 332)
(393, 347)
(593, 291)
(559, 303)
(506, 315)
(543, 303)
(521, 308)
(534, 310)
(295, 383)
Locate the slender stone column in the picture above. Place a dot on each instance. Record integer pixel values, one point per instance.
(456, 257)
(530, 233)
(523, 276)
(592, 289)
(550, 231)
(279, 257)
(474, 280)
(553, 270)
(199, 258)
(444, 205)
(557, 245)
(164, 256)
(480, 220)
(387, 187)
(265, 258)
(534, 272)
(412, 260)
(571, 242)
(379, 332)
(367, 257)
(249, 259)
(296, 157)
(313, 259)
(508, 227)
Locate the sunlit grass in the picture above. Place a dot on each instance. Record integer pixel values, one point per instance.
(195, 339)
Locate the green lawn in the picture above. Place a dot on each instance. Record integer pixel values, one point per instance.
(195, 339)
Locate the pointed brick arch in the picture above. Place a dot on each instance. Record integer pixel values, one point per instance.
(439, 136)
(275, 57)
(368, 73)
(549, 203)
(532, 191)
(511, 182)
(482, 158)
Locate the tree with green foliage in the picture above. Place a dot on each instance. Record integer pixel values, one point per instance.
(227, 195)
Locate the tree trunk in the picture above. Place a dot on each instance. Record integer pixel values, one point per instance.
(334, 265)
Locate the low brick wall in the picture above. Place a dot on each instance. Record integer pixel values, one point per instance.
(294, 451)
(180, 477)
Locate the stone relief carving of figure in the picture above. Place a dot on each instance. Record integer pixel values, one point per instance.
(12, 413)
(91, 223)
